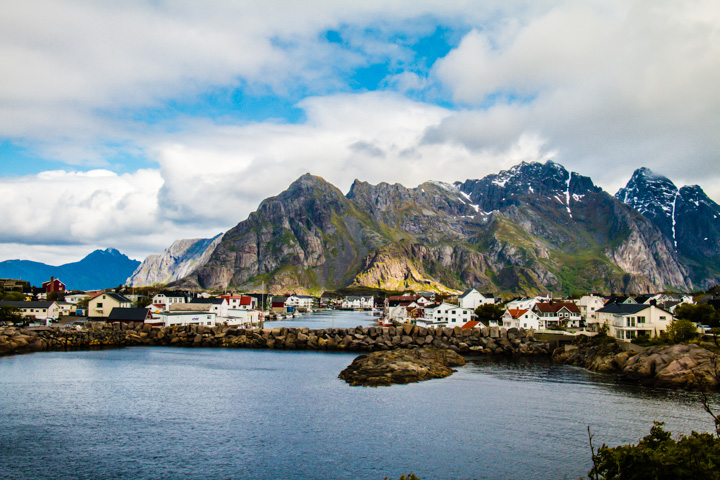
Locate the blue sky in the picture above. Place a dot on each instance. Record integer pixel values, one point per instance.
(135, 124)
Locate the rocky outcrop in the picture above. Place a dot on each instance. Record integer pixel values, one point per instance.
(687, 367)
(491, 341)
(401, 366)
(177, 261)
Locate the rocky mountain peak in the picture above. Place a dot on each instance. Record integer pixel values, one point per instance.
(686, 216)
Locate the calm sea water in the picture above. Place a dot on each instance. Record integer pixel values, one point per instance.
(179, 413)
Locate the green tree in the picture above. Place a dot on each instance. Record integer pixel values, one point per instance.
(659, 457)
(703, 314)
(143, 302)
(10, 314)
(681, 330)
(13, 296)
(489, 311)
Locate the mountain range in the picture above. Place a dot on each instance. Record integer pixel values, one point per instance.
(535, 228)
(100, 269)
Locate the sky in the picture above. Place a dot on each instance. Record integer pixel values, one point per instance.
(133, 124)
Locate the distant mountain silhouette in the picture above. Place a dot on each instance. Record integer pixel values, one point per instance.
(101, 269)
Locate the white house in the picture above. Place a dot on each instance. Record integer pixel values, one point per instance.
(39, 310)
(519, 318)
(627, 321)
(472, 299)
(557, 314)
(300, 302)
(361, 303)
(589, 305)
(241, 317)
(240, 302)
(74, 298)
(166, 301)
(447, 314)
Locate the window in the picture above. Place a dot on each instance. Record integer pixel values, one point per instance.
(631, 321)
(641, 319)
(99, 305)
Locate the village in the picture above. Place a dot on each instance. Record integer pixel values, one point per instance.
(624, 317)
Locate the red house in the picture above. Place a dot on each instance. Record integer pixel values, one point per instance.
(54, 285)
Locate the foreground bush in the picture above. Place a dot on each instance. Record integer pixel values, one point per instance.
(659, 457)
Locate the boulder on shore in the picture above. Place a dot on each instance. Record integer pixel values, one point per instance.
(401, 366)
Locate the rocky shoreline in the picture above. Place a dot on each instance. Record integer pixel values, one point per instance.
(490, 341)
(683, 366)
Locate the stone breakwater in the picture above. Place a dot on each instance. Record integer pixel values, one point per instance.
(491, 340)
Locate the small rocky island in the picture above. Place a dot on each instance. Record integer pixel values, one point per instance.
(401, 366)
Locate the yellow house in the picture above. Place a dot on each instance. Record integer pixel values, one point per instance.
(102, 304)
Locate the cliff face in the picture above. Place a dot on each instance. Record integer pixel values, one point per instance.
(534, 228)
(177, 261)
(687, 218)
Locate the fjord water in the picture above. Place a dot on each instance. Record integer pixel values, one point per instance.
(179, 413)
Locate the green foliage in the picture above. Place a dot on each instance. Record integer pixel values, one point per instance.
(13, 296)
(143, 302)
(489, 311)
(10, 314)
(659, 457)
(681, 330)
(410, 476)
(703, 314)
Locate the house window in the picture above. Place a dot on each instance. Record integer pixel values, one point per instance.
(641, 319)
(631, 321)
(99, 305)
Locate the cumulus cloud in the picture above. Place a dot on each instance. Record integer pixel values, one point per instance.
(609, 86)
(602, 87)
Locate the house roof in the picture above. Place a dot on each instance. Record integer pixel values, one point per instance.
(22, 304)
(128, 314)
(211, 301)
(555, 307)
(516, 312)
(624, 308)
(190, 307)
(467, 292)
(470, 324)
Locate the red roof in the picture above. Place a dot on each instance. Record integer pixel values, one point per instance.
(516, 312)
(555, 307)
(244, 299)
(470, 324)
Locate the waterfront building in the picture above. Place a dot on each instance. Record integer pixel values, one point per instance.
(355, 303)
(627, 321)
(188, 314)
(37, 310)
(521, 318)
(102, 304)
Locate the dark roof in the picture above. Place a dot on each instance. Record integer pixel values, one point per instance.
(21, 304)
(128, 314)
(213, 301)
(466, 293)
(624, 308)
(279, 299)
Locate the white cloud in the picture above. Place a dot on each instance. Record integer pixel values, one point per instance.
(609, 86)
